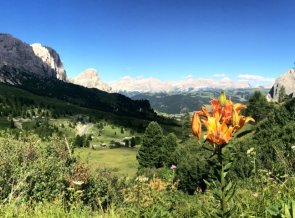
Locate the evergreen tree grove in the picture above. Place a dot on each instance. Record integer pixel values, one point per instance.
(258, 106)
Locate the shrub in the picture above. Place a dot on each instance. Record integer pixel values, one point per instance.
(31, 171)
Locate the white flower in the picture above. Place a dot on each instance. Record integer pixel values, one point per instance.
(141, 179)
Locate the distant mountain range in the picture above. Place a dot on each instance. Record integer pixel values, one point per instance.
(153, 85)
(39, 70)
(90, 78)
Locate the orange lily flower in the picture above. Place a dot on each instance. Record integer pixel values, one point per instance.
(221, 122)
(217, 133)
(225, 112)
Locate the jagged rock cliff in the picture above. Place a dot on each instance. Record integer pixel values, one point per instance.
(287, 80)
(51, 60)
(39, 60)
(90, 79)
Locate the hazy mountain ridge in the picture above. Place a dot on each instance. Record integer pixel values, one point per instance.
(153, 85)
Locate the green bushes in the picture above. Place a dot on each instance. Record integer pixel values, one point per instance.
(82, 141)
(30, 171)
(156, 150)
(273, 139)
(40, 179)
(193, 167)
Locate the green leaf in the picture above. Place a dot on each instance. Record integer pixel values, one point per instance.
(287, 212)
(227, 166)
(217, 194)
(228, 187)
(229, 212)
(218, 213)
(273, 210)
(224, 174)
(231, 194)
(293, 208)
(207, 183)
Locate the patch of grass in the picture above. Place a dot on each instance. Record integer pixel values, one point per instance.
(123, 160)
(109, 133)
(4, 123)
(63, 125)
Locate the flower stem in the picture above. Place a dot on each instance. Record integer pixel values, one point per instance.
(222, 184)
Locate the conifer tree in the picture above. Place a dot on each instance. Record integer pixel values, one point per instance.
(282, 94)
(150, 153)
(169, 149)
(185, 126)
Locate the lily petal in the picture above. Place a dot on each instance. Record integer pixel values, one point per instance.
(196, 126)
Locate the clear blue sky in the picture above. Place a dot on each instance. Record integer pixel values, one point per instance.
(167, 39)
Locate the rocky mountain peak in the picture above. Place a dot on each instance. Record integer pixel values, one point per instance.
(287, 80)
(36, 59)
(90, 73)
(90, 78)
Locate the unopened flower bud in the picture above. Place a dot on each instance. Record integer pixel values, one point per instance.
(222, 99)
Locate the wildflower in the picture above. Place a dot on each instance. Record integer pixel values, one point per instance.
(251, 151)
(217, 133)
(157, 184)
(141, 179)
(255, 194)
(173, 167)
(78, 183)
(221, 122)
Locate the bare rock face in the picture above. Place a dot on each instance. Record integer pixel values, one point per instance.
(51, 60)
(38, 60)
(90, 79)
(287, 80)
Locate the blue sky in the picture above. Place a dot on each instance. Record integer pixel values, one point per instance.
(166, 39)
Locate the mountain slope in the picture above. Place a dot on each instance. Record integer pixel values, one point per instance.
(75, 94)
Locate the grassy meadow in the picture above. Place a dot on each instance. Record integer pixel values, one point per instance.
(122, 161)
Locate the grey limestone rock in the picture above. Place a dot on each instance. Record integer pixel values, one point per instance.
(287, 80)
